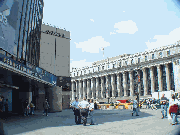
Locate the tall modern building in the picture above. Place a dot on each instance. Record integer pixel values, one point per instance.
(20, 74)
(118, 77)
(55, 58)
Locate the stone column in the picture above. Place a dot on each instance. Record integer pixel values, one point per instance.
(102, 87)
(160, 81)
(113, 85)
(118, 85)
(176, 69)
(145, 81)
(125, 84)
(73, 88)
(77, 90)
(84, 88)
(107, 86)
(152, 79)
(97, 87)
(131, 83)
(88, 89)
(80, 89)
(168, 77)
(93, 87)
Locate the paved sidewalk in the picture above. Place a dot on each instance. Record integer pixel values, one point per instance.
(114, 122)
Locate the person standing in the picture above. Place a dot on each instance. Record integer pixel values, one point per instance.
(84, 105)
(164, 101)
(25, 106)
(45, 106)
(91, 111)
(76, 111)
(95, 106)
(6, 108)
(135, 107)
(173, 110)
(32, 108)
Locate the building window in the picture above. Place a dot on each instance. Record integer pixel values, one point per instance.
(126, 63)
(160, 54)
(146, 58)
(168, 53)
(113, 65)
(138, 60)
(152, 56)
(120, 64)
(81, 72)
(93, 69)
(98, 68)
(102, 67)
(132, 61)
(77, 73)
(74, 74)
(108, 66)
(89, 71)
(85, 71)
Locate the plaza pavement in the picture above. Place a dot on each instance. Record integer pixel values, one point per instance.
(114, 122)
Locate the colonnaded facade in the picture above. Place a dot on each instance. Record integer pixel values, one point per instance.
(117, 77)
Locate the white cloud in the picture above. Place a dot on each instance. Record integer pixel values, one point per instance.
(123, 11)
(112, 33)
(92, 20)
(126, 27)
(92, 45)
(80, 64)
(163, 40)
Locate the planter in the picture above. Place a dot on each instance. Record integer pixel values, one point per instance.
(121, 107)
(111, 107)
(130, 106)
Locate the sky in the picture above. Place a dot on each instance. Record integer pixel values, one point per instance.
(118, 26)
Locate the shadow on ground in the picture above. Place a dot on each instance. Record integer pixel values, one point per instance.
(20, 124)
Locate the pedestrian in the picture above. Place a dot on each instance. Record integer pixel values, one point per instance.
(76, 111)
(173, 110)
(135, 107)
(147, 104)
(45, 106)
(164, 101)
(26, 107)
(84, 106)
(32, 108)
(95, 106)
(91, 111)
(6, 108)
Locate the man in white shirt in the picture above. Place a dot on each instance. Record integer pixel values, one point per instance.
(84, 106)
(135, 107)
(91, 111)
(76, 110)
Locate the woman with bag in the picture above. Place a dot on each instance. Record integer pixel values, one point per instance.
(173, 107)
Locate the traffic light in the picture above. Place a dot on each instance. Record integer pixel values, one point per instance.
(138, 78)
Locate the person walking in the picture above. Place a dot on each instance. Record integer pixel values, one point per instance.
(25, 106)
(173, 110)
(135, 107)
(32, 108)
(76, 110)
(6, 109)
(45, 106)
(91, 111)
(164, 101)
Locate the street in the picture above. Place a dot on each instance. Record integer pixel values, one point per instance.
(113, 122)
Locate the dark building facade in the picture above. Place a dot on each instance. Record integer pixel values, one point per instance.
(20, 75)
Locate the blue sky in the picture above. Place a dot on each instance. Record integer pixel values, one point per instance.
(120, 26)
